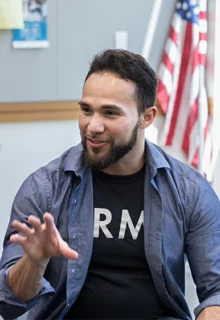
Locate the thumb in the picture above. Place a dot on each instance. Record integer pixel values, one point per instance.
(66, 251)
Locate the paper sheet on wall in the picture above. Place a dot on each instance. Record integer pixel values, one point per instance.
(34, 33)
(11, 14)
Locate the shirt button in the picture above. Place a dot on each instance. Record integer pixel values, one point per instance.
(75, 201)
(74, 236)
(73, 270)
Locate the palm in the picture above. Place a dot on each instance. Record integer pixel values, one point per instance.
(42, 241)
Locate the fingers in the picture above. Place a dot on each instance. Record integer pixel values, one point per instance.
(24, 229)
(49, 221)
(16, 238)
(21, 227)
(67, 252)
(70, 254)
(35, 223)
(44, 237)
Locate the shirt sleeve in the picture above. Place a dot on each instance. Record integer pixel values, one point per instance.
(11, 306)
(211, 301)
(203, 243)
(31, 199)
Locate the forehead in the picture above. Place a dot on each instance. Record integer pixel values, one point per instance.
(109, 85)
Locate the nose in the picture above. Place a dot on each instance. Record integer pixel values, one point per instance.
(95, 124)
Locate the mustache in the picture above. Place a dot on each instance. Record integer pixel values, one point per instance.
(97, 138)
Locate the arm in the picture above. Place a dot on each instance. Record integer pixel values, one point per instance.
(203, 246)
(24, 279)
(39, 243)
(33, 198)
(210, 313)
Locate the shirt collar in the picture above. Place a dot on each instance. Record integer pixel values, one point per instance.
(155, 159)
(74, 160)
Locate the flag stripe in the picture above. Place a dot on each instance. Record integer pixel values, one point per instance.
(181, 81)
(163, 96)
(182, 88)
(168, 63)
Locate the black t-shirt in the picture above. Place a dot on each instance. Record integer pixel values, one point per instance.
(119, 283)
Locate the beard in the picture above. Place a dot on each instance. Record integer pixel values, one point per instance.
(116, 152)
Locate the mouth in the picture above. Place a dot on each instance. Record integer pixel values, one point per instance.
(95, 143)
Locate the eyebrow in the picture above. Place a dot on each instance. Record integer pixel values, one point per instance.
(84, 104)
(106, 106)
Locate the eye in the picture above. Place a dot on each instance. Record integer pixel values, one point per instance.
(86, 110)
(111, 113)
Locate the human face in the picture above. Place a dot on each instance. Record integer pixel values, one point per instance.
(109, 120)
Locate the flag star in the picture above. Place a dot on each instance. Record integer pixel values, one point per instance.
(188, 14)
(194, 2)
(196, 10)
(185, 6)
(178, 5)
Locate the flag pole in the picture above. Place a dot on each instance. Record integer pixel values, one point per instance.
(151, 29)
(201, 127)
(202, 97)
(216, 96)
(152, 135)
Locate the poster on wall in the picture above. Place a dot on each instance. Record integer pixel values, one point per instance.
(34, 33)
(11, 14)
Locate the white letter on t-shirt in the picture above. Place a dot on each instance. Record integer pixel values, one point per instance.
(126, 219)
(102, 224)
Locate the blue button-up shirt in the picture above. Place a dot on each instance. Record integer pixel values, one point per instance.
(181, 215)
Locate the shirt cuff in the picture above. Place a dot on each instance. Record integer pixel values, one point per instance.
(9, 297)
(211, 301)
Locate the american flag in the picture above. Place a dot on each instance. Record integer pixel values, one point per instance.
(181, 89)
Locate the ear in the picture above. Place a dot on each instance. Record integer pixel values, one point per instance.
(147, 117)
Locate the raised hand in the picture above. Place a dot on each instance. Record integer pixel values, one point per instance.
(41, 241)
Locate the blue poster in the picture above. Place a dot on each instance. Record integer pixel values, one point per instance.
(34, 33)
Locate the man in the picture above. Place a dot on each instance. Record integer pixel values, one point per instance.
(102, 231)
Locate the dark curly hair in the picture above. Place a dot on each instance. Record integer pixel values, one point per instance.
(131, 67)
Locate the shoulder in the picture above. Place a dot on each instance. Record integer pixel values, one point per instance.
(53, 176)
(190, 186)
(69, 161)
(179, 169)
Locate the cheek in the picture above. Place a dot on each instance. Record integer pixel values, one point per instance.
(121, 130)
(127, 130)
(82, 123)
(126, 126)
